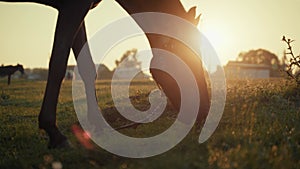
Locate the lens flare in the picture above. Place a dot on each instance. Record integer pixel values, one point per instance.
(82, 136)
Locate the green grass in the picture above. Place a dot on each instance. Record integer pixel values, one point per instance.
(260, 128)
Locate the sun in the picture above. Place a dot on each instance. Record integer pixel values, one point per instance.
(220, 37)
(213, 34)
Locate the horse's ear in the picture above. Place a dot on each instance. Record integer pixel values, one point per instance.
(197, 20)
(192, 12)
(192, 15)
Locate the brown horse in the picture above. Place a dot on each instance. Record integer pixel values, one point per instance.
(10, 70)
(70, 33)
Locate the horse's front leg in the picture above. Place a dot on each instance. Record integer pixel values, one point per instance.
(69, 20)
(8, 79)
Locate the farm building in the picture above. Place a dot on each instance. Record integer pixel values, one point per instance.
(102, 72)
(239, 70)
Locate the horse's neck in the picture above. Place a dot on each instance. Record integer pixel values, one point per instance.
(173, 7)
(19, 69)
(137, 6)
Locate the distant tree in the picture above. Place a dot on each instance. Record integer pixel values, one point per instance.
(130, 57)
(261, 56)
(104, 73)
(129, 62)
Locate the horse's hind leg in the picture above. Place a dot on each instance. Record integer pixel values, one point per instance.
(86, 69)
(52, 3)
(69, 20)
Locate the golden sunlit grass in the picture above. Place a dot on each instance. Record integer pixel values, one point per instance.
(259, 129)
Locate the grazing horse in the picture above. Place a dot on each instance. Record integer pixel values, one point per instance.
(10, 70)
(70, 33)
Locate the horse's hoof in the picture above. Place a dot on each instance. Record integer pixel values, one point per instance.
(56, 138)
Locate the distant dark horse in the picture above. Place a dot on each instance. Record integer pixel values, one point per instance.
(70, 34)
(10, 70)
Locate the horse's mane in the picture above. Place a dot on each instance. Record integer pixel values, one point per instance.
(173, 7)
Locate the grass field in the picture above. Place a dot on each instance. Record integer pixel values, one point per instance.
(260, 128)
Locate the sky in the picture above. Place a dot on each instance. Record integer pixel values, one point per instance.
(232, 26)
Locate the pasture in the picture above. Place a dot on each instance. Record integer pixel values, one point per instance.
(259, 129)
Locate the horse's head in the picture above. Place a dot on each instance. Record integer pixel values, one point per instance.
(20, 68)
